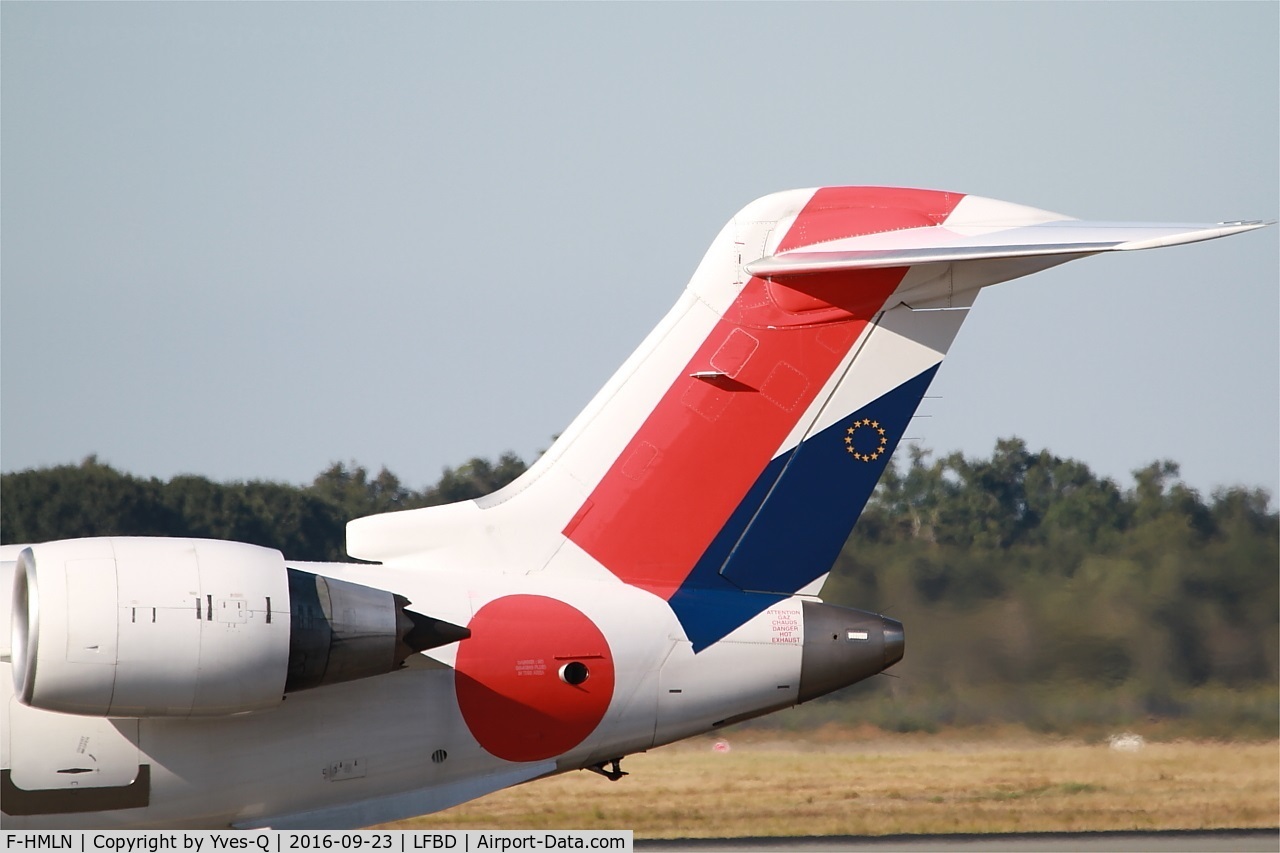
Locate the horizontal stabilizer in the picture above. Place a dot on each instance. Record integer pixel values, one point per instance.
(938, 244)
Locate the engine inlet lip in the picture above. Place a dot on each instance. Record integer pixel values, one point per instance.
(24, 633)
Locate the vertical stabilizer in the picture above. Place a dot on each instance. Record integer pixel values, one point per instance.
(735, 449)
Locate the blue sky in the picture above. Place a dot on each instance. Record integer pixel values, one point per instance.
(247, 240)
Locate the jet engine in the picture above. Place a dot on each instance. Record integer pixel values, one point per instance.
(136, 627)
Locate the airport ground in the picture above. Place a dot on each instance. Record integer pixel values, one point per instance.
(848, 782)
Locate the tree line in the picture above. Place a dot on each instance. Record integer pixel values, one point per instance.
(1035, 591)
(1031, 588)
(305, 522)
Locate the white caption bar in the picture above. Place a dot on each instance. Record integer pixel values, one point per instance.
(288, 841)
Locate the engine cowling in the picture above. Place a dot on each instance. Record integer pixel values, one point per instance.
(138, 627)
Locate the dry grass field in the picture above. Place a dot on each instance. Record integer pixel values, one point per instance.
(837, 782)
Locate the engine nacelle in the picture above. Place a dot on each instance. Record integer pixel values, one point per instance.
(136, 627)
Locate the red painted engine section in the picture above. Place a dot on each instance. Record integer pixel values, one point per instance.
(509, 684)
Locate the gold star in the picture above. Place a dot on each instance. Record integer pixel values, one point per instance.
(866, 421)
(848, 439)
(850, 430)
(875, 424)
(880, 430)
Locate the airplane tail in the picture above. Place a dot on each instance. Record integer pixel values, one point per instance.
(735, 449)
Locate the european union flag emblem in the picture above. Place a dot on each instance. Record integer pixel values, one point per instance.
(866, 440)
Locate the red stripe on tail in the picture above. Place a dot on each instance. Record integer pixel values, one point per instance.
(686, 470)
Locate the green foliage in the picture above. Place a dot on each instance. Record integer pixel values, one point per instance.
(307, 523)
(477, 478)
(1032, 590)
(82, 500)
